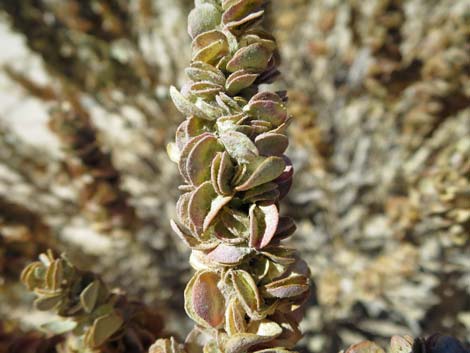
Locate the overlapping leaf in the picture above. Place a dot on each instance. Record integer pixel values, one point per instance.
(230, 152)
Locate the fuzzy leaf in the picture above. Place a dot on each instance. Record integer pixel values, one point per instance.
(187, 239)
(201, 71)
(285, 228)
(254, 57)
(263, 225)
(225, 174)
(239, 80)
(239, 146)
(267, 106)
(271, 144)
(48, 302)
(234, 317)
(204, 302)
(241, 12)
(205, 89)
(173, 152)
(166, 345)
(287, 287)
(210, 46)
(54, 275)
(203, 18)
(184, 156)
(182, 209)
(265, 328)
(265, 170)
(184, 105)
(200, 204)
(227, 254)
(200, 157)
(216, 206)
(247, 292)
(28, 275)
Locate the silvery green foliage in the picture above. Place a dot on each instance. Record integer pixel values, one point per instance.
(249, 288)
(380, 92)
(114, 57)
(97, 319)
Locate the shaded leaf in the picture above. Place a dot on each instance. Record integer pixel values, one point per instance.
(200, 157)
(89, 296)
(271, 144)
(200, 204)
(247, 292)
(103, 328)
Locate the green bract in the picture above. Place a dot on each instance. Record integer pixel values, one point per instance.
(249, 289)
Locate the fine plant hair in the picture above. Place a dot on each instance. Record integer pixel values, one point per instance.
(249, 288)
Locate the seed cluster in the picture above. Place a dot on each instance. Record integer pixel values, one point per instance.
(249, 288)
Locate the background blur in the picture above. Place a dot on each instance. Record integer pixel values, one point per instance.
(380, 92)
